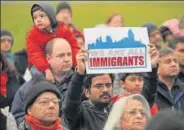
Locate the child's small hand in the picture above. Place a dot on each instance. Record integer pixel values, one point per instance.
(49, 76)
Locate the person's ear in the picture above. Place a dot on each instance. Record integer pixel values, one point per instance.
(87, 93)
(29, 111)
(122, 84)
(158, 70)
(48, 57)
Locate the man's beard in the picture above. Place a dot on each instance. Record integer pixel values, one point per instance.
(99, 104)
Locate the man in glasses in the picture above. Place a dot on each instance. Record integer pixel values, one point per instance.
(42, 105)
(90, 114)
(58, 54)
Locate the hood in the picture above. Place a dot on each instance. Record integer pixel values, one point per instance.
(49, 10)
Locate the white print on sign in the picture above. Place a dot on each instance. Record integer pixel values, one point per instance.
(117, 50)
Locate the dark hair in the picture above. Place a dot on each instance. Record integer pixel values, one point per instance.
(89, 77)
(172, 43)
(165, 31)
(123, 76)
(4, 61)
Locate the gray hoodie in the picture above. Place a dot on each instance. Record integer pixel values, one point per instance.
(48, 9)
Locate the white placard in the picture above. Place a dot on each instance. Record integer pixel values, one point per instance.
(117, 50)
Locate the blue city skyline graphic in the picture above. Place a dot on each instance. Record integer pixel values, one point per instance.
(125, 42)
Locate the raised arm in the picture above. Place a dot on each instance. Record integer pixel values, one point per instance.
(72, 102)
(149, 90)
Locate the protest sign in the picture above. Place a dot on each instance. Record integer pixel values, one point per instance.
(117, 50)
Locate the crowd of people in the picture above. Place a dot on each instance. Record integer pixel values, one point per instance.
(44, 86)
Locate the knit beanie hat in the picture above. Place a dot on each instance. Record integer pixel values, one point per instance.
(36, 89)
(7, 34)
(150, 27)
(63, 5)
(167, 120)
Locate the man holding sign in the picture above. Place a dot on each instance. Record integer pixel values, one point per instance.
(90, 114)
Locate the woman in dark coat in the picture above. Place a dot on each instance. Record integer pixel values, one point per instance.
(10, 80)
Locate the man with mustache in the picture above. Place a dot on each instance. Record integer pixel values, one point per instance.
(170, 91)
(90, 114)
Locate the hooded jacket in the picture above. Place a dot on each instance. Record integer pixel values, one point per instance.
(13, 80)
(36, 40)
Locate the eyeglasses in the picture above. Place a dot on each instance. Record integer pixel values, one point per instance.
(101, 86)
(135, 112)
(46, 101)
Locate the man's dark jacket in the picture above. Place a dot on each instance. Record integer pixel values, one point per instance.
(173, 98)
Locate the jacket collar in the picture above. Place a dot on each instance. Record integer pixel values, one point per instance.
(177, 83)
(164, 91)
(104, 109)
(66, 79)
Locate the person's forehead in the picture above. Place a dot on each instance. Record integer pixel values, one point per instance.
(134, 103)
(167, 57)
(155, 32)
(38, 12)
(180, 45)
(64, 10)
(101, 78)
(138, 75)
(79, 37)
(117, 17)
(47, 95)
(61, 46)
